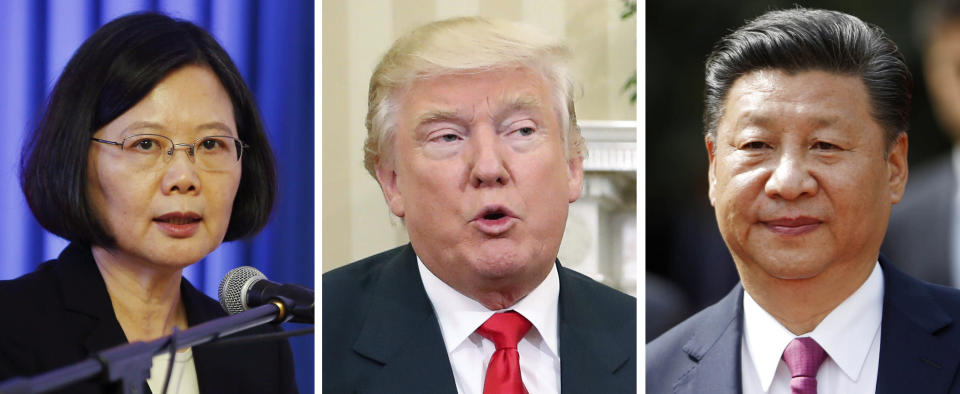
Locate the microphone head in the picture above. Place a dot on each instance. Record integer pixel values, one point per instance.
(233, 288)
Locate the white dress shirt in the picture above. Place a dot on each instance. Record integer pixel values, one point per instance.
(850, 335)
(469, 353)
(183, 379)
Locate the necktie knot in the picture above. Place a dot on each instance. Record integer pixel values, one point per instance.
(803, 357)
(505, 329)
(503, 371)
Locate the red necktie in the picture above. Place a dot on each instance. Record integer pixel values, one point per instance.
(803, 357)
(503, 373)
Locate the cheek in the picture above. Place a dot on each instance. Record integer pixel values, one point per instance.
(221, 191)
(738, 194)
(429, 180)
(120, 201)
(856, 197)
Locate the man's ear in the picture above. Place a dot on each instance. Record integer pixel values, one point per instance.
(575, 180)
(711, 170)
(387, 176)
(897, 167)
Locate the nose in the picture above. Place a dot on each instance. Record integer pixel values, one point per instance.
(489, 167)
(180, 175)
(791, 179)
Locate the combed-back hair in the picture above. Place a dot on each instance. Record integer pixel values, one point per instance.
(110, 73)
(466, 45)
(800, 39)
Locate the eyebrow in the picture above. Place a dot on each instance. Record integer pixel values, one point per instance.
(521, 103)
(440, 115)
(215, 125)
(514, 104)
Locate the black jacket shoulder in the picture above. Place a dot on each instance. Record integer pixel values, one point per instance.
(64, 315)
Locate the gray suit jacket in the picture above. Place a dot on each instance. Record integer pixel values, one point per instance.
(919, 230)
(919, 343)
(380, 333)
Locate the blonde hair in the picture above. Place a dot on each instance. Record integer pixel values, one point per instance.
(466, 45)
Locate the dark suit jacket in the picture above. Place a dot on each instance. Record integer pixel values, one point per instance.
(919, 231)
(919, 343)
(61, 314)
(380, 333)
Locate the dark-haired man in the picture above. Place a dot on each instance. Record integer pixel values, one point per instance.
(806, 118)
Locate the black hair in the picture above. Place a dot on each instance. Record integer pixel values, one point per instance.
(800, 39)
(110, 73)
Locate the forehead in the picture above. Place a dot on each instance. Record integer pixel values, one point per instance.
(187, 100)
(476, 91)
(807, 97)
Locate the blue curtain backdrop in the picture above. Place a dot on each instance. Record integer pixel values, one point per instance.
(272, 44)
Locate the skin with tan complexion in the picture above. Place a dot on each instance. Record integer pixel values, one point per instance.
(480, 176)
(802, 180)
(168, 217)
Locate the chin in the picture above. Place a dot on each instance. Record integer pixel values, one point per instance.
(494, 264)
(793, 268)
(179, 255)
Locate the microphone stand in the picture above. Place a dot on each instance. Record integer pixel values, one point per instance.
(129, 365)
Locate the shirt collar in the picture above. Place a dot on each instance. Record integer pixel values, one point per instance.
(459, 315)
(845, 334)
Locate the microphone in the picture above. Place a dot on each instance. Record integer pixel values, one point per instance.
(243, 288)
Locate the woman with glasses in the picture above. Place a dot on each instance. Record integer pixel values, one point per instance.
(149, 155)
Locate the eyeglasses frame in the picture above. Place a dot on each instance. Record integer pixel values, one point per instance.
(190, 149)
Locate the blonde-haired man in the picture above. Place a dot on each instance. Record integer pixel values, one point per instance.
(472, 136)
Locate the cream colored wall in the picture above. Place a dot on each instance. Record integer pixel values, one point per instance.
(356, 221)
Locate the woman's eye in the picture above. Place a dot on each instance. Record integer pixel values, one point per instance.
(211, 144)
(144, 145)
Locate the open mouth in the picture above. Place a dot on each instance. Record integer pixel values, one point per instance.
(178, 221)
(179, 224)
(493, 215)
(178, 218)
(494, 220)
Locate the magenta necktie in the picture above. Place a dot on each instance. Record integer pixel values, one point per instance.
(804, 356)
(503, 373)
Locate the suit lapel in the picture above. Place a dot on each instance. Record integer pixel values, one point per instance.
(402, 334)
(713, 350)
(589, 361)
(912, 357)
(85, 294)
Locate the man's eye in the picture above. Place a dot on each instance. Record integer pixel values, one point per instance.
(525, 131)
(754, 145)
(824, 146)
(445, 137)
